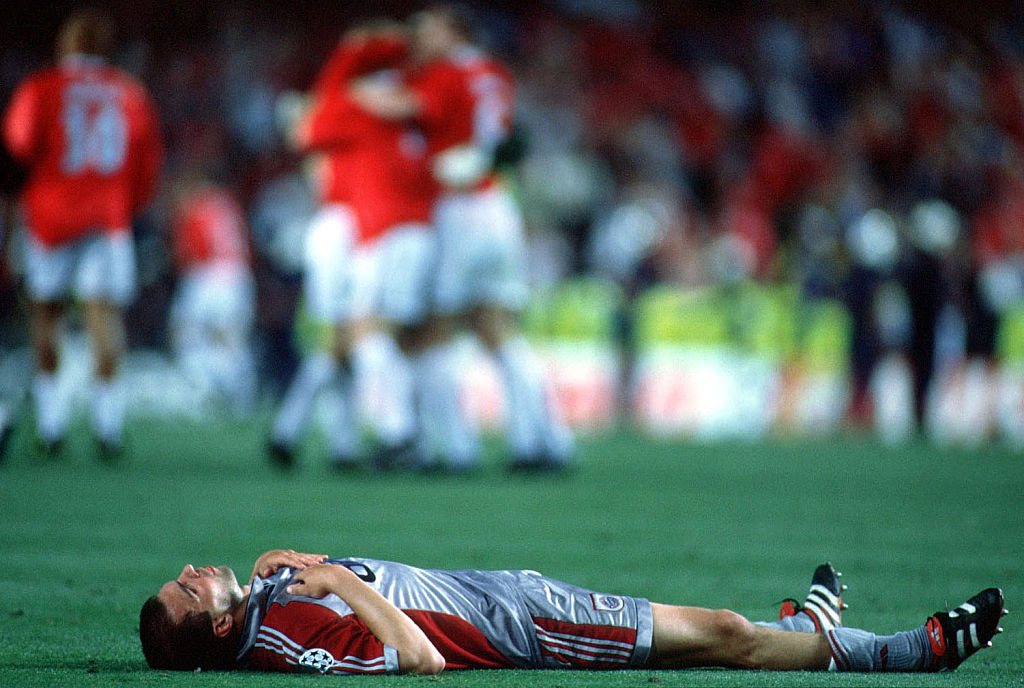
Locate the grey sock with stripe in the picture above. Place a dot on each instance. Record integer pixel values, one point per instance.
(857, 650)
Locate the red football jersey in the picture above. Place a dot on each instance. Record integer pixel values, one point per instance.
(377, 167)
(310, 625)
(209, 227)
(467, 98)
(89, 136)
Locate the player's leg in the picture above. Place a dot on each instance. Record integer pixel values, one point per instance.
(48, 272)
(316, 371)
(186, 328)
(51, 408)
(394, 275)
(688, 636)
(343, 439)
(105, 325)
(325, 284)
(537, 435)
(233, 370)
(538, 438)
(447, 431)
(692, 636)
(941, 644)
(105, 284)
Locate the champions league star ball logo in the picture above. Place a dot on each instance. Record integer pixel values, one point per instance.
(317, 659)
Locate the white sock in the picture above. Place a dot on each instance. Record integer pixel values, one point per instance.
(384, 379)
(233, 374)
(108, 407)
(343, 432)
(978, 403)
(314, 373)
(52, 410)
(446, 429)
(534, 427)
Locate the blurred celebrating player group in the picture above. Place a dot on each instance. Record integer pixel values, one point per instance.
(416, 234)
(428, 237)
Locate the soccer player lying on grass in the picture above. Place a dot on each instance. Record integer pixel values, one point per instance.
(305, 612)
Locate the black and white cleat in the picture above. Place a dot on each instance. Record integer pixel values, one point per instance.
(956, 635)
(824, 603)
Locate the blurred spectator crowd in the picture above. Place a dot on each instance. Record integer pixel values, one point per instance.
(866, 152)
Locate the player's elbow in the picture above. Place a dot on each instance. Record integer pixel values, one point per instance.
(426, 661)
(434, 665)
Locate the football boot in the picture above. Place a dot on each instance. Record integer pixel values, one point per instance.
(957, 634)
(824, 603)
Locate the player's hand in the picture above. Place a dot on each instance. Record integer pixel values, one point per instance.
(275, 559)
(319, 580)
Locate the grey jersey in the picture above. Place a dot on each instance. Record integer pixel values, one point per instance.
(476, 619)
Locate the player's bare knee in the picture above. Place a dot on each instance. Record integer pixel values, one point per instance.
(107, 352)
(46, 356)
(106, 363)
(737, 638)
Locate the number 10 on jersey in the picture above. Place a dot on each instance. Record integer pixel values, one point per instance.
(95, 131)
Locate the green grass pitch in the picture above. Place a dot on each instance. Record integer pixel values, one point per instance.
(739, 525)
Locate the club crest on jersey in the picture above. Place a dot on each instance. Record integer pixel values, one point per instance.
(607, 603)
(317, 659)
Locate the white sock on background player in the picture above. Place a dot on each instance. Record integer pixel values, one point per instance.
(533, 427)
(52, 409)
(446, 429)
(343, 439)
(108, 407)
(382, 370)
(523, 397)
(314, 373)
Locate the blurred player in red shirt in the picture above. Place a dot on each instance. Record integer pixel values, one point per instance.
(89, 137)
(369, 252)
(463, 100)
(214, 306)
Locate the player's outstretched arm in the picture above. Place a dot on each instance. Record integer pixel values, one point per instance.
(275, 559)
(385, 100)
(416, 654)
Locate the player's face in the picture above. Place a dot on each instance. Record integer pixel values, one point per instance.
(206, 589)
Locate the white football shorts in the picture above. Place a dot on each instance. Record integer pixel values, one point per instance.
(482, 252)
(97, 267)
(407, 259)
(328, 279)
(388, 278)
(213, 303)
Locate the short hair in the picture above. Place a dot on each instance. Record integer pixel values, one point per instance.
(188, 645)
(89, 31)
(461, 17)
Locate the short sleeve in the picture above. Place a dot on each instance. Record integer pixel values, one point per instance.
(20, 124)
